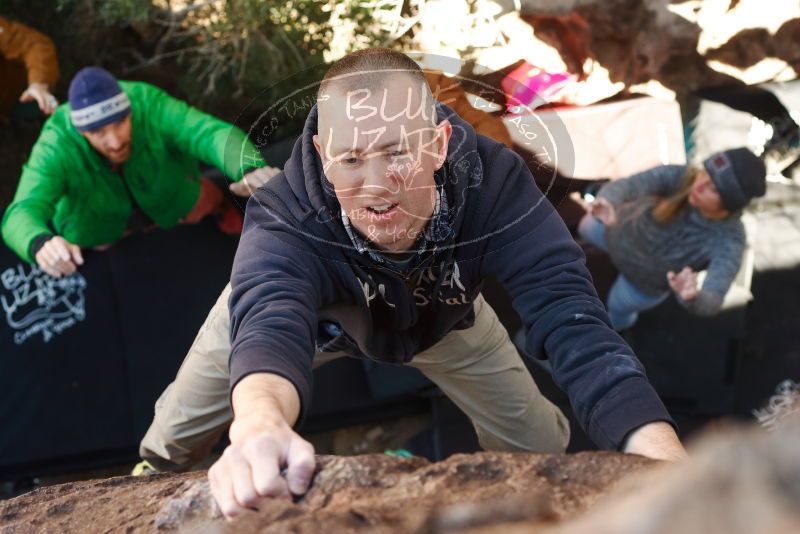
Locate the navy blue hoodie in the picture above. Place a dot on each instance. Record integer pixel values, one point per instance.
(296, 269)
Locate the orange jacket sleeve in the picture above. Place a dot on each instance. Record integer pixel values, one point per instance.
(36, 50)
(449, 91)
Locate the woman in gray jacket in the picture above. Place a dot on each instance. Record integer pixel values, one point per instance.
(663, 225)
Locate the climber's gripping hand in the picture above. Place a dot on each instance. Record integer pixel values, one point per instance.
(266, 458)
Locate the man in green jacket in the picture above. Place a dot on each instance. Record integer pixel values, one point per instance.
(119, 157)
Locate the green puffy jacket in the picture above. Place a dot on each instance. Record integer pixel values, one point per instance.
(69, 189)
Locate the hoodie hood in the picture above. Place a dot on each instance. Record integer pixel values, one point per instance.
(319, 209)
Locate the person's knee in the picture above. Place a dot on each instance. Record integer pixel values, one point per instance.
(555, 443)
(584, 226)
(166, 464)
(592, 230)
(183, 433)
(549, 435)
(168, 447)
(564, 433)
(158, 449)
(622, 321)
(559, 435)
(621, 306)
(488, 441)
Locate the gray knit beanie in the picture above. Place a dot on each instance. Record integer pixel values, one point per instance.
(739, 176)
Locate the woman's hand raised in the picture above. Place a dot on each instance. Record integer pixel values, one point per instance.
(603, 211)
(684, 283)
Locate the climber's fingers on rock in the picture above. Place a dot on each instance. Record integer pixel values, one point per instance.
(263, 453)
(240, 472)
(301, 465)
(222, 489)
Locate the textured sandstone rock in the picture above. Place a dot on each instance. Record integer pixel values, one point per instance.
(120, 504)
(736, 482)
(372, 493)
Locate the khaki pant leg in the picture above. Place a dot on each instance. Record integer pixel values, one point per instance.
(480, 370)
(194, 410)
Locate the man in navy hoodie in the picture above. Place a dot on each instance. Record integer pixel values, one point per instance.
(374, 243)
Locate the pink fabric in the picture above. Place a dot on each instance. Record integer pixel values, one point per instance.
(530, 86)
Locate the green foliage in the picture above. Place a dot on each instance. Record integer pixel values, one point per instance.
(115, 12)
(254, 43)
(216, 53)
(236, 47)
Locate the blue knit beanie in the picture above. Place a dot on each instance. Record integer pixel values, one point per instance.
(96, 99)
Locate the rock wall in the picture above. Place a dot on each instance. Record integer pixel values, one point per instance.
(371, 493)
(683, 45)
(662, 47)
(735, 482)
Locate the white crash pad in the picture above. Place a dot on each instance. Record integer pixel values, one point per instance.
(603, 140)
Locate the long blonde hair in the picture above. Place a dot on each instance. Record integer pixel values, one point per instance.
(667, 209)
